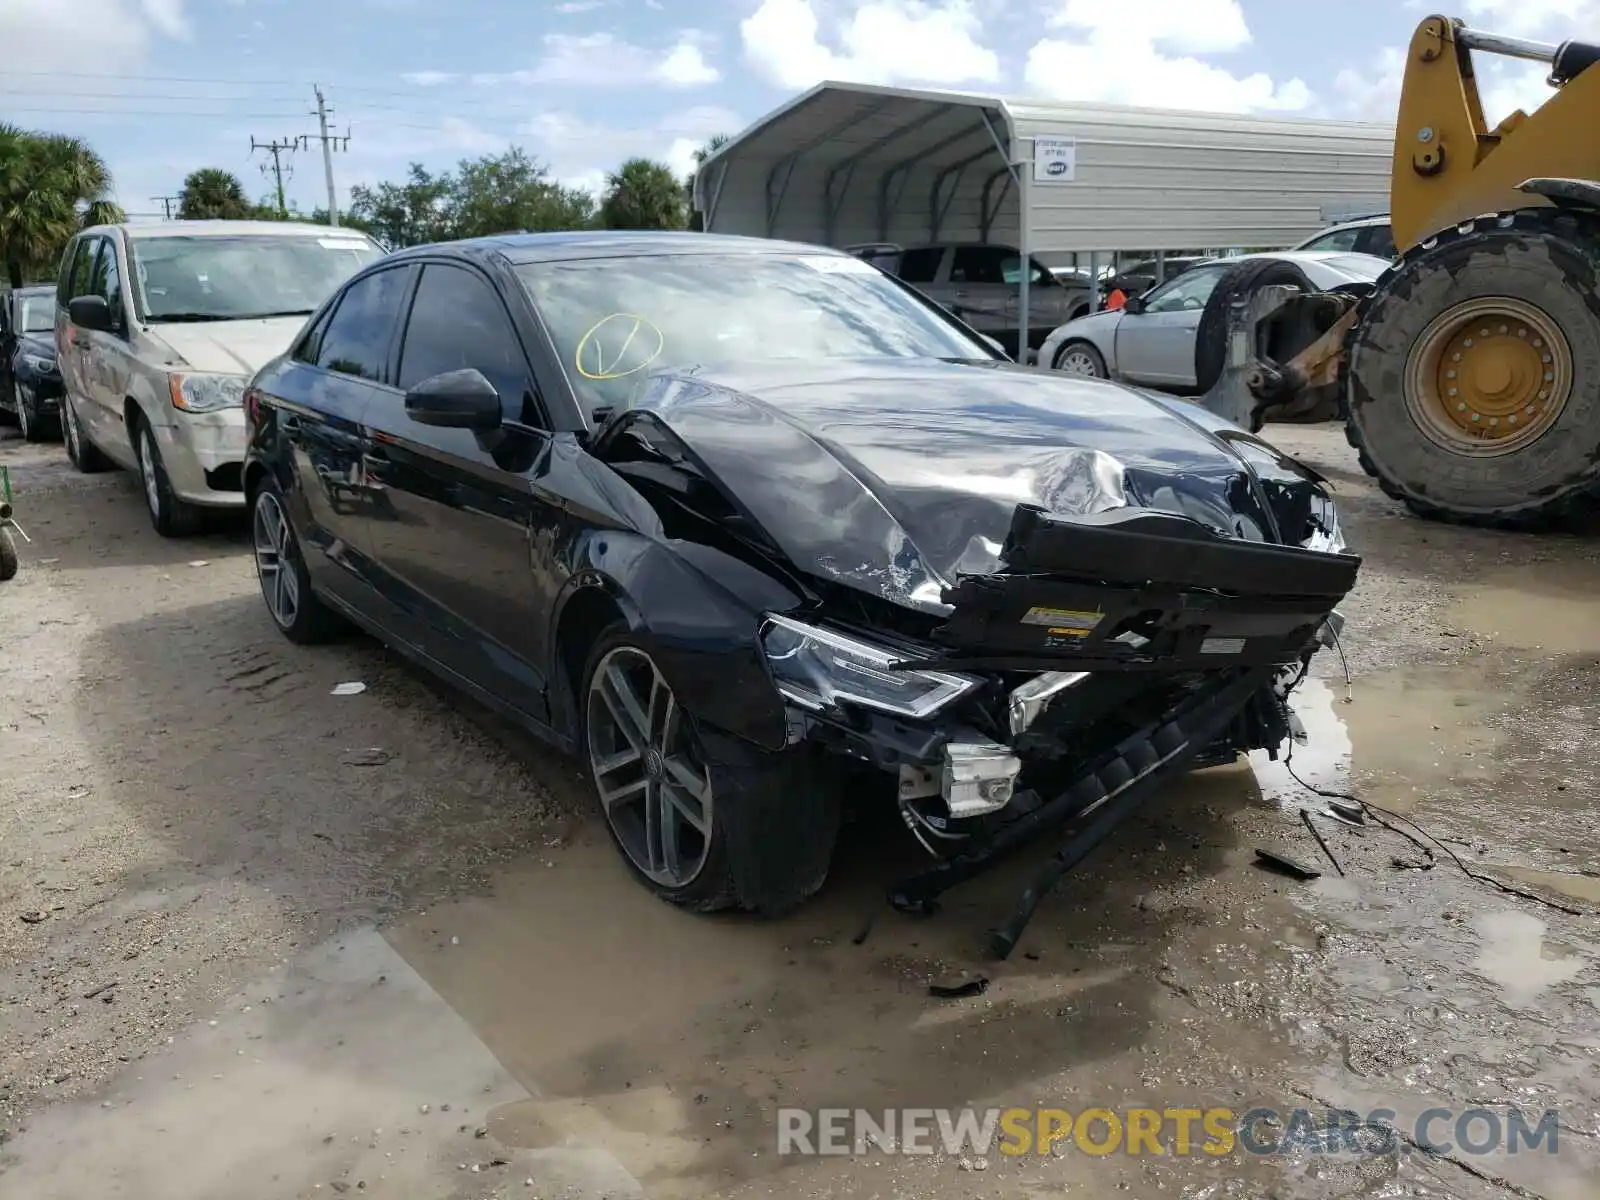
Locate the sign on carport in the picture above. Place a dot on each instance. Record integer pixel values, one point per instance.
(1055, 158)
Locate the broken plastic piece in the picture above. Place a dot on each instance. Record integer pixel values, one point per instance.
(959, 991)
(348, 689)
(1285, 865)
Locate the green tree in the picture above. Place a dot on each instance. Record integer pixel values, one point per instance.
(51, 186)
(212, 194)
(508, 192)
(319, 216)
(642, 194)
(404, 214)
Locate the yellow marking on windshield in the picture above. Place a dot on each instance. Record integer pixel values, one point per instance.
(599, 369)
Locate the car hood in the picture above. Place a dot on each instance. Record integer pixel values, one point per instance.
(230, 347)
(898, 476)
(42, 344)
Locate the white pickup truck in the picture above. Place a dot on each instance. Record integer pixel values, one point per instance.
(979, 283)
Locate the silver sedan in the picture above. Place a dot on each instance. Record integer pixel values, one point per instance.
(1151, 341)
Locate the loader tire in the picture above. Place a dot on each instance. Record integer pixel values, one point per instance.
(1211, 338)
(1509, 304)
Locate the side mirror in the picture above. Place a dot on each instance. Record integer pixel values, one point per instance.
(1133, 305)
(455, 400)
(91, 313)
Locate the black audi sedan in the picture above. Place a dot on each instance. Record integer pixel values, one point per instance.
(30, 380)
(722, 514)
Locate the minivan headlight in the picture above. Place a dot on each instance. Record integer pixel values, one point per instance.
(203, 393)
(818, 668)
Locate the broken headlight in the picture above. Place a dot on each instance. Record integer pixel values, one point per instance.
(818, 668)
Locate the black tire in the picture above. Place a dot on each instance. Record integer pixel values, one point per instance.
(312, 622)
(28, 419)
(83, 453)
(1545, 258)
(1092, 358)
(9, 562)
(170, 516)
(773, 823)
(1211, 337)
(8, 404)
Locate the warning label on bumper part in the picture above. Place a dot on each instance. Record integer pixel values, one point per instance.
(1068, 622)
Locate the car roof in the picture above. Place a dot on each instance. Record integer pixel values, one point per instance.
(519, 248)
(291, 229)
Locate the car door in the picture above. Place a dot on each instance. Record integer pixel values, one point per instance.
(457, 552)
(108, 359)
(319, 399)
(10, 321)
(979, 290)
(73, 344)
(1156, 344)
(1050, 303)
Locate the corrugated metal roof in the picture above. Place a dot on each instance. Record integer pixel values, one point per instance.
(847, 163)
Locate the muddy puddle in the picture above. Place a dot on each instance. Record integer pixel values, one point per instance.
(1554, 608)
(1168, 971)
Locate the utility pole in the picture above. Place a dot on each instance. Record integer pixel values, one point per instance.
(166, 204)
(329, 144)
(277, 149)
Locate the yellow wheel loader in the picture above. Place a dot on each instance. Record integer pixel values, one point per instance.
(1468, 376)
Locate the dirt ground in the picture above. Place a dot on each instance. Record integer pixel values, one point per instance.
(258, 939)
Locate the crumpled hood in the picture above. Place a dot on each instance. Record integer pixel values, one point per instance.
(897, 476)
(231, 347)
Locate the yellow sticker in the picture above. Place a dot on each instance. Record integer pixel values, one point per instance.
(1063, 620)
(1071, 632)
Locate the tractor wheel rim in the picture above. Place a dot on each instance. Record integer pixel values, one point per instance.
(274, 547)
(649, 769)
(1488, 377)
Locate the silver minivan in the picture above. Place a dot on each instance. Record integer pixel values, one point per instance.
(159, 328)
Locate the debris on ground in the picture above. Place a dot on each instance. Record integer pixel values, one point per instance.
(1272, 860)
(348, 689)
(372, 756)
(959, 991)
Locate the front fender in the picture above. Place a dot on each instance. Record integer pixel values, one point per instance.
(698, 611)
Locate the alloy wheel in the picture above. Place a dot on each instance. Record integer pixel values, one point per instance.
(274, 547)
(649, 769)
(147, 468)
(1079, 362)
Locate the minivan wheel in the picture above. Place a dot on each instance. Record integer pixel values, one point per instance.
(170, 516)
(285, 585)
(704, 819)
(82, 453)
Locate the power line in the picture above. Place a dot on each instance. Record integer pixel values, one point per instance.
(277, 148)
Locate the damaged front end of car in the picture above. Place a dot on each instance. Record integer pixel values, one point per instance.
(1106, 655)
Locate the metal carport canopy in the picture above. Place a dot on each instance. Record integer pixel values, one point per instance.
(849, 163)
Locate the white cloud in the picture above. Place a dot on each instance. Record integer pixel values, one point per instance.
(87, 36)
(686, 66)
(1371, 93)
(167, 16)
(430, 78)
(605, 60)
(579, 6)
(885, 41)
(1143, 52)
(1559, 19)
(580, 152)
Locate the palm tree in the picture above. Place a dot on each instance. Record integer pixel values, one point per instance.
(212, 194)
(642, 194)
(51, 185)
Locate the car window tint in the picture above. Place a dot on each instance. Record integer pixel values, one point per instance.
(356, 341)
(458, 321)
(980, 264)
(69, 269)
(110, 287)
(1190, 291)
(921, 265)
(305, 349)
(1380, 241)
(1339, 239)
(95, 285)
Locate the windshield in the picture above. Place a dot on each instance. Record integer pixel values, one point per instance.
(235, 278)
(38, 313)
(617, 320)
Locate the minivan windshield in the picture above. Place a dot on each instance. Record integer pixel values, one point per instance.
(235, 278)
(617, 320)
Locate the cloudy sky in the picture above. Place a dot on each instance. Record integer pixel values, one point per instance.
(163, 86)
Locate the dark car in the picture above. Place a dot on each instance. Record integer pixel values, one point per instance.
(30, 380)
(722, 514)
(1140, 277)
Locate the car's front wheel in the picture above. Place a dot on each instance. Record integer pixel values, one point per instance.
(285, 585)
(171, 516)
(706, 821)
(28, 419)
(1080, 358)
